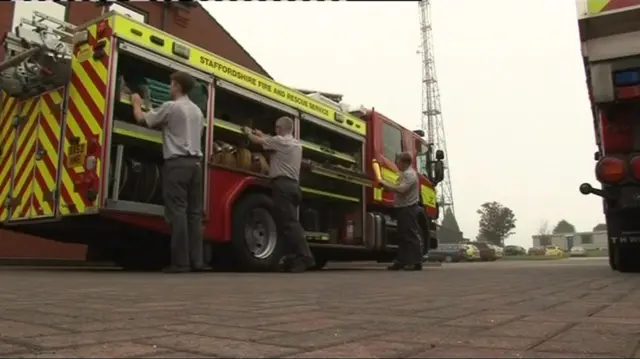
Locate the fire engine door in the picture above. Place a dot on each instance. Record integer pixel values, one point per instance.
(34, 143)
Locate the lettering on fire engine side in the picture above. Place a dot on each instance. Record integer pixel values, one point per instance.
(264, 87)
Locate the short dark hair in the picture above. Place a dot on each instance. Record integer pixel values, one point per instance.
(183, 79)
(405, 157)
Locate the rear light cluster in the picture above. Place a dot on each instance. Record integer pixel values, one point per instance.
(612, 170)
(616, 131)
(627, 84)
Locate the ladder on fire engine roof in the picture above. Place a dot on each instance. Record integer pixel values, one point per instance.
(26, 42)
(36, 48)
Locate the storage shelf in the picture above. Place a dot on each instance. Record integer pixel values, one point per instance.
(305, 144)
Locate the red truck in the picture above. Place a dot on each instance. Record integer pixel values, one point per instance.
(75, 168)
(610, 35)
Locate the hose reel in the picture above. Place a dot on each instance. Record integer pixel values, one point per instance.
(140, 181)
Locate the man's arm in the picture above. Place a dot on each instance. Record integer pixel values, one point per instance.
(259, 138)
(403, 186)
(153, 118)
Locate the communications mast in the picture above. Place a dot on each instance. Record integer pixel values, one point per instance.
(432, 122)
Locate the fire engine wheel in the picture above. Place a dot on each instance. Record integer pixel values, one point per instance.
(626, 258)
(255, 239)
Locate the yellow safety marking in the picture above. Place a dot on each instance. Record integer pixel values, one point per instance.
(329, 194)
(377, 194)
(86, 117)
(6, 132)
(141, 34)
(26, 161)
(50, 154)
(595, 6)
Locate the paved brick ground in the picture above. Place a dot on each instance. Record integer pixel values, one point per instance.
(572, 308)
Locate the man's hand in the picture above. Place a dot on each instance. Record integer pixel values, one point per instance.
(386, 186)
(136, 100)
(258, 133)
(246, 130)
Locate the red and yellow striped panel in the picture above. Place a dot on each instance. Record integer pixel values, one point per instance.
(599, 6)
(8, 106)
(47, 155)
(85, 119)
(25, 150)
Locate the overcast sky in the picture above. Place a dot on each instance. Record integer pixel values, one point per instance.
(514, 102)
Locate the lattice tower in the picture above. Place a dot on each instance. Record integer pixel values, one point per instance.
(432, 122)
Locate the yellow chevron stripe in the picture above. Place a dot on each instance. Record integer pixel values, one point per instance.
(86, 116)
(50, 148)
(25, 162)
(6, 131)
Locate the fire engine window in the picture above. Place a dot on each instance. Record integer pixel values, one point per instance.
(128, 11)
(391, 141)
(25, 9)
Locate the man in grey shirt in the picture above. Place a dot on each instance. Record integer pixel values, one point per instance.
(284, 171)
(408, 208)
(181, 122)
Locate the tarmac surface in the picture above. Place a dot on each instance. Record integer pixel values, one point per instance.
(533, 309)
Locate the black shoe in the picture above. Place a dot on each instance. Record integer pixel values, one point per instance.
(201, 269)
(174, 269)
(415, 267)
(395, 266)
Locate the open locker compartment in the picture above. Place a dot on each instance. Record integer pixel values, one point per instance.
(135, 151)
(333, 174)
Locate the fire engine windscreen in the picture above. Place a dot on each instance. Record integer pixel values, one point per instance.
(139, 178)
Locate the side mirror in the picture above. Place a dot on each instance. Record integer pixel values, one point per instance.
(438, 172)
(439, 155)
(419, 132)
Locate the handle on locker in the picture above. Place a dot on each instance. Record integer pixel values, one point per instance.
(40, 154)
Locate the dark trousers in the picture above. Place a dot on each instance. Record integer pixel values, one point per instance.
(286, 200)
(409, 235)
(183, 203)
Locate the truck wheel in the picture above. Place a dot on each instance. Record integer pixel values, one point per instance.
(613, 261)
(254, 236)
(626, 259)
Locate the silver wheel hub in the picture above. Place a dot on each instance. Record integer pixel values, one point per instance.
(260, 233)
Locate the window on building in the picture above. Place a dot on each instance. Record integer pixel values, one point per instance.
(391, 141)
(25, 9)
(586, 238)
(128, 11)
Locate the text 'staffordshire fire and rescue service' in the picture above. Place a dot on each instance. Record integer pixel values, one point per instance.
(74, 166)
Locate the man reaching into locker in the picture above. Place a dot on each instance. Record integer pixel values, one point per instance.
(182, 123)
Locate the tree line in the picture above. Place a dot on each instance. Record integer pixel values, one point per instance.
(497, 223)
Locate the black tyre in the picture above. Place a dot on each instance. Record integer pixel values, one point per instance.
(613, 261)
(254, 237)
(626, 258)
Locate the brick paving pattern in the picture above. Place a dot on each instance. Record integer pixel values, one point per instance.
(519, 309)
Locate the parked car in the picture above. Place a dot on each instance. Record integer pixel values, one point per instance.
(486, 252)
(473, 252)
(578, 251)
(499, 250)
(514, 251)
(554, 251)
(537, 251)
(448, 253)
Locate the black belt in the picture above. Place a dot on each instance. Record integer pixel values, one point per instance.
(273, 179)
(417, 204)
(184, 157)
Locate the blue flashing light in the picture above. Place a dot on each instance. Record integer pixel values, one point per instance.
(627, 78)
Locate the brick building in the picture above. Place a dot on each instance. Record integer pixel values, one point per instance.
(188, 21)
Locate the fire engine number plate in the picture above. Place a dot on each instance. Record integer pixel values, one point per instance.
(76, 155)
